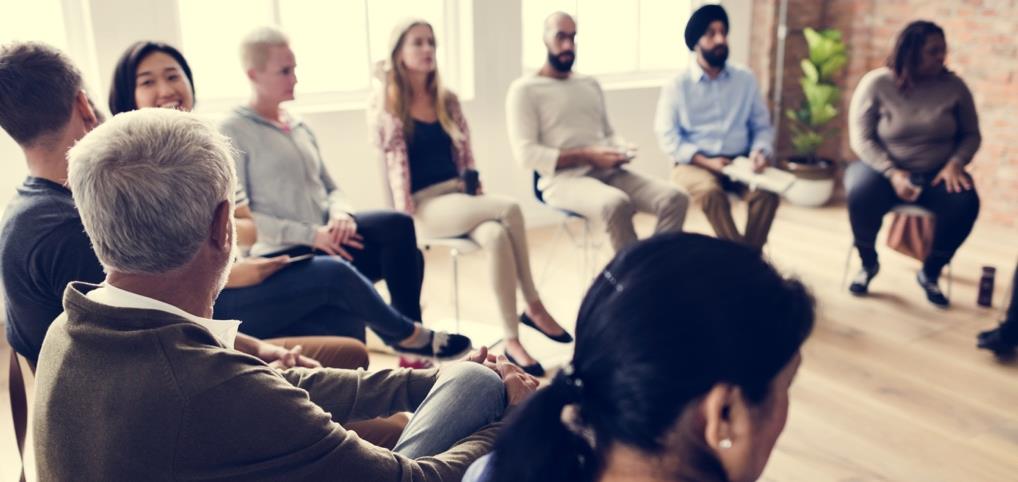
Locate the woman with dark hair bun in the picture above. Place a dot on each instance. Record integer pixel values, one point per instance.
(685, 349)
(914, 126)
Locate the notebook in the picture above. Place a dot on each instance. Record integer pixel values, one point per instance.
(771, 179)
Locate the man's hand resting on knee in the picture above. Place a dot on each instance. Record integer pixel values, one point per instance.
(518, 385)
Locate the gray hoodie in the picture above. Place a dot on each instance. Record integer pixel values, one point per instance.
(281, 175)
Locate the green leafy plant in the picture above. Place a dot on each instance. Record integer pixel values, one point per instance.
(820, 94)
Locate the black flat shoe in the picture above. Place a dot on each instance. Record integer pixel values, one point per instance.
(861, 283)
(996, 341)
(536, 369)
(563, 337)
(442, 346)
(933, 292)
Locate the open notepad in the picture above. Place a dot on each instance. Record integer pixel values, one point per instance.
(771, 179)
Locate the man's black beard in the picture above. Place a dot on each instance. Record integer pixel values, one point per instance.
(716, 57)
(558, 64)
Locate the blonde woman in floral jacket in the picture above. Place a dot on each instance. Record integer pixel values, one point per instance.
(424, 139)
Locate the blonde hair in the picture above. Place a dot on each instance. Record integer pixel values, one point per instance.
(254, 49)
(398, 91)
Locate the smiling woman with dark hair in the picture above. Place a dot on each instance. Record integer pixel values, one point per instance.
(138, 69)
(914, 126)
(685, 349)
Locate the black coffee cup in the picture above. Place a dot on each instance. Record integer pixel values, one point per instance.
(471, 180)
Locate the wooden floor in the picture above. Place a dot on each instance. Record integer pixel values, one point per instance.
(891, 388)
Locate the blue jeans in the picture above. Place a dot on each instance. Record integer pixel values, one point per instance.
(324, 296)
(466, 397)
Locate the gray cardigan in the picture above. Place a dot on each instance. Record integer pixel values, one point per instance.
(282, 177)
(135, 394)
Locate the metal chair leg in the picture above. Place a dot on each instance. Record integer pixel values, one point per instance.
(554, 248)
(455, 254)
(588, 252)
(848, 262)
(950, 280)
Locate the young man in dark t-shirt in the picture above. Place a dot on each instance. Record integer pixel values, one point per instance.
(43, 244)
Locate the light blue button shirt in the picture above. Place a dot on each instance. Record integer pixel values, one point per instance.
(725, 116)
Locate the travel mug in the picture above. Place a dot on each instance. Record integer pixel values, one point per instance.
(986, 287)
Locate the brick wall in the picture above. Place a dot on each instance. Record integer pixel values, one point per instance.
(982, 47)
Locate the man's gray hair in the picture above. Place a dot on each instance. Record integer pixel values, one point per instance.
(254, 49)
(147, 184)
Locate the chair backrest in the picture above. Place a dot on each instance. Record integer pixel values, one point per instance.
(17, 389)
(540, 198)
(537, 192)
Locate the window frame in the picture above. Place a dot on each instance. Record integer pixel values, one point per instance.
(458, 48)
(621, 80)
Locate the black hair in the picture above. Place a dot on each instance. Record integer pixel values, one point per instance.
(667, 319)
(38, 88)
(126, 73)
(908, 51)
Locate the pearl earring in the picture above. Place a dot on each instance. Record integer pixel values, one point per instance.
(726, 443)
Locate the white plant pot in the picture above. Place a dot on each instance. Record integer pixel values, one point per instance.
(810, 192)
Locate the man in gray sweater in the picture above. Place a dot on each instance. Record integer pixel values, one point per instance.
(135, 382)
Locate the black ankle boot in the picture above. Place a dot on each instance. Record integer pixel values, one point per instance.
(861, 283)
(1001, 341)
(933, 293)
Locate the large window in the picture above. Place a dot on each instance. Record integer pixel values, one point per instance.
(337, 42)
(38, 21)
(613, 38)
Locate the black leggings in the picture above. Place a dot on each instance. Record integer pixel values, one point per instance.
(390, 253)
(871, 196)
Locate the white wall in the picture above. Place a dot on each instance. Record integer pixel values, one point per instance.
(343, 134)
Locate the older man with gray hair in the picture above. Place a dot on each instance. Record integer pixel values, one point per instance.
(135, 382)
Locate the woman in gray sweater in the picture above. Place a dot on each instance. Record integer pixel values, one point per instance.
(915, 128)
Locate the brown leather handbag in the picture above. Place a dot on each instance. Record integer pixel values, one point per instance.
(911, 235)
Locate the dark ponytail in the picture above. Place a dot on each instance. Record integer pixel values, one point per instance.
(552, 449)
(668, 319)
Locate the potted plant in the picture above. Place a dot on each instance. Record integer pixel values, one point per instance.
(815, 175)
